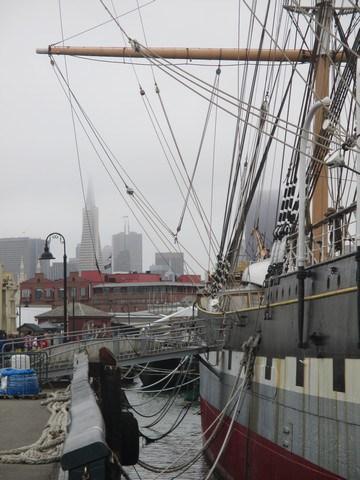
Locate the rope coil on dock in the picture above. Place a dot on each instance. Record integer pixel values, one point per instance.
(48, 448)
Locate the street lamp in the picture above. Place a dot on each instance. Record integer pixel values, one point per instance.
(47, 255)
(18, 314)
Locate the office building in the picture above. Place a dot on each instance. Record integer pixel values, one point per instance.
(169, 262)
(20, 255)
(127, 252)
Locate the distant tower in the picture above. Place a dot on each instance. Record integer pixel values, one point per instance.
(38, 267)
(90, 250)
(127, 250)
(22, 274)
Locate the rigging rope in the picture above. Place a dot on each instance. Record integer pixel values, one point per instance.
(216, 83)
(213, 177)
(70, 98)
(179, 419)
(136, 45)
(112, 159)
(179, 383)
(169, 402)
(249, 348)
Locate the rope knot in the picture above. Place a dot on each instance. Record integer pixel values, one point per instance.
(135, 44)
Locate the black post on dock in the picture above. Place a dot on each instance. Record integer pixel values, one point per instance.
(122, 432)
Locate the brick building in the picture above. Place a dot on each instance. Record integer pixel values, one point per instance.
(122, 292)
(80, 317)
(135, 296)
(39, 290)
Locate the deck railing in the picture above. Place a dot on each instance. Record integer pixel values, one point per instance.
(332, 237)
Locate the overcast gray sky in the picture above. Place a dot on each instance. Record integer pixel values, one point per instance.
(40, 187)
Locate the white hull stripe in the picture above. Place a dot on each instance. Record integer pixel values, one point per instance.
(318, 374)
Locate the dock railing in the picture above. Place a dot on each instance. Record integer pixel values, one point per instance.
(36, 360)
(169, 337)
(178, 337)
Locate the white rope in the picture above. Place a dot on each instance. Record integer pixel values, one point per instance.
(237, 391)
(238, 406)
(48, 448)
(142, 388)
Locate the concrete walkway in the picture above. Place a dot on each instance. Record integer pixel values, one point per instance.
(21, 423)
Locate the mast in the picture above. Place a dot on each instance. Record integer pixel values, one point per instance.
(322, 69)
(358, 195)
(358, 156)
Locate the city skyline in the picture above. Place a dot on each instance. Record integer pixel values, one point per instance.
(15, 262)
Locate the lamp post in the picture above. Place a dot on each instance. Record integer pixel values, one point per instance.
(18, 314)
(47, 255)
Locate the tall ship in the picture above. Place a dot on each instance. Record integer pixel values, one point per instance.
(281, 400)
(300, 301)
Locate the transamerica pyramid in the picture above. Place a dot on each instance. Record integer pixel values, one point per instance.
(90, 257)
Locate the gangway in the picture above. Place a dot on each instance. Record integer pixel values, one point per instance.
(173, 338)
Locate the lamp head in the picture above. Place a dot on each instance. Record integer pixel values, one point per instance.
(46, 255)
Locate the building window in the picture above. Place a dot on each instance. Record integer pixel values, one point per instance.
(38, 293)
(26, 293)
(73, 292)
(49, 293)
(83, 292)
(61, 293)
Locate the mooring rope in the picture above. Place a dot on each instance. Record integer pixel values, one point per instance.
(238, 391)
(48, 448)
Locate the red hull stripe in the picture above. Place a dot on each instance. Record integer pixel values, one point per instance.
(248, 456)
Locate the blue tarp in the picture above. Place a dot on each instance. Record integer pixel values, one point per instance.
(8, 372)
(18, 382)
